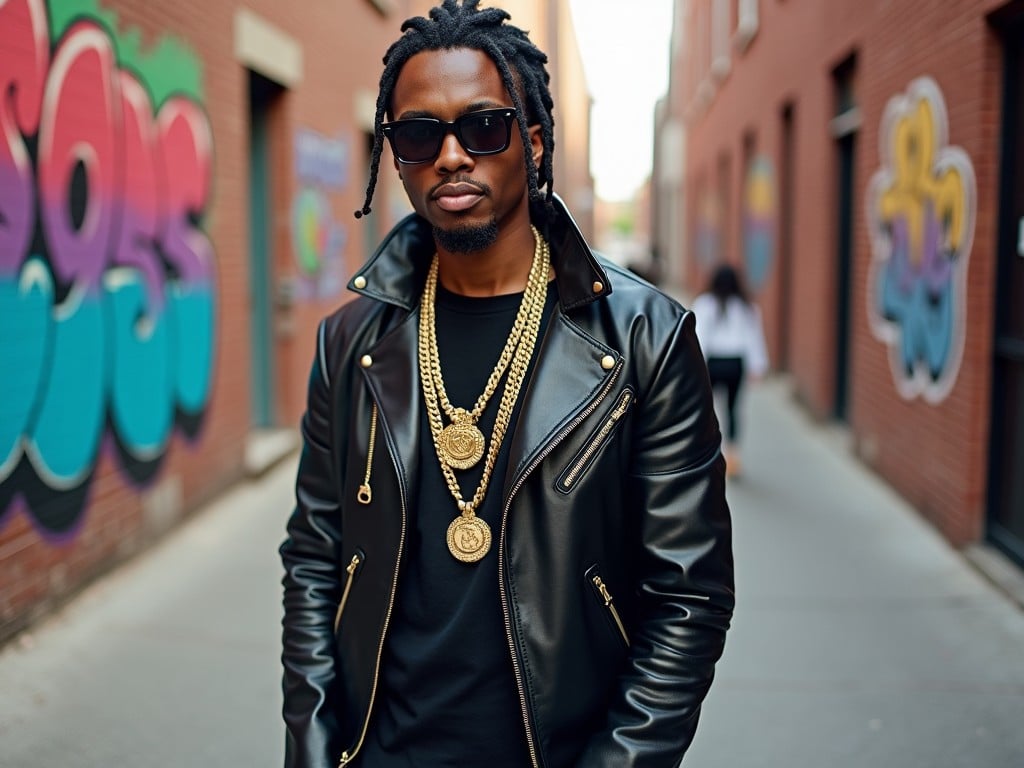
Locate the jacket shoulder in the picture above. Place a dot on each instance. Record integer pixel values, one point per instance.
(631, 294)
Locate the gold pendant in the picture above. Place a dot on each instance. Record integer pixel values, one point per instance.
(461, 444)
(469, 538)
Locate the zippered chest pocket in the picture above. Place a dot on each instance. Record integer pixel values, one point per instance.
(582, 461)
(351, 570)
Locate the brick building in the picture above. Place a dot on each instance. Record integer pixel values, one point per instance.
(177, 182)
(863, 162)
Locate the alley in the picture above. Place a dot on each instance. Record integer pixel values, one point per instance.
(860, 638)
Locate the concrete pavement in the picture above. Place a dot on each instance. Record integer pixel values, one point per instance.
(860, 638)
(171, 661)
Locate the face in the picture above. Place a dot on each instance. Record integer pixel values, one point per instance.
(458, 192)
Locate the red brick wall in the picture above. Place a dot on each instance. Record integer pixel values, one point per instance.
(934, 453)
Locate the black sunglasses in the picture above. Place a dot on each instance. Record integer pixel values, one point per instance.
(419, 139)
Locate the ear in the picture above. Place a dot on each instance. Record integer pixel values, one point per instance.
(536, 144)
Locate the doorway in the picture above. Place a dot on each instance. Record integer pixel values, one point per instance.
(844, 130)
(264, 94)
(1006, 454)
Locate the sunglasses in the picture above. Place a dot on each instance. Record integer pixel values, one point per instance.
(419, 139)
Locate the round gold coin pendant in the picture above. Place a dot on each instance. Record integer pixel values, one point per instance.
(469, 538)
(461, 445)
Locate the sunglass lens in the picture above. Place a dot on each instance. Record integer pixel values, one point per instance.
(416, 141)
(484, 133)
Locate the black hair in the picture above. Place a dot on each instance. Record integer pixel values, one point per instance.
(520, 63)
(726, 283)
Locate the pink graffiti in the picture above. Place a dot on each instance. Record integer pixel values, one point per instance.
(146, 177)
(26, 59)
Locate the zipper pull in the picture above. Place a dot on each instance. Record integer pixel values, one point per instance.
(603, 589)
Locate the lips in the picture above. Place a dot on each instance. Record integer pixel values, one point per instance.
(457, 197)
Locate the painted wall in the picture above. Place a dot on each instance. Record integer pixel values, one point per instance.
(124, 259)
(107, 275)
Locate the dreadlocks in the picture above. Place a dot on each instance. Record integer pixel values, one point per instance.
(519, 62)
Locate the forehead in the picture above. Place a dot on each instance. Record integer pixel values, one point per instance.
(447, 83)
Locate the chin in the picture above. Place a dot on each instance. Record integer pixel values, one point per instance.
(466, 237)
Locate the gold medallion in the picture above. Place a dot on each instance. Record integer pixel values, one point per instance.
(461, 445)
(469, 538)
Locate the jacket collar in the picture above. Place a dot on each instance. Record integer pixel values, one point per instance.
(397, 270)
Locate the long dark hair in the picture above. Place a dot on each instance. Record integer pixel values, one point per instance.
(726, 283)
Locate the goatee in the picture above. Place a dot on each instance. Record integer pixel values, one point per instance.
(467, 239)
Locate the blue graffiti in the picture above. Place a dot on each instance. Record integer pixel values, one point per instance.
(919, 299)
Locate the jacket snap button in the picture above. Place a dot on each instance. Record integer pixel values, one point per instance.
(366, 361)
(359, 282)
(598, 286)
(607, 362)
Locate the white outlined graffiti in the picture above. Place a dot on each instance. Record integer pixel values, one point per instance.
(107, 276)
(920, 207)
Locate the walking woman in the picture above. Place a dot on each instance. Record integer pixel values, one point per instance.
(732, 338)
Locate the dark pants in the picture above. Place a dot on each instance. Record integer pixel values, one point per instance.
(727, 373)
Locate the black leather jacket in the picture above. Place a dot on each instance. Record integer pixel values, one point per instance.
(614, 549)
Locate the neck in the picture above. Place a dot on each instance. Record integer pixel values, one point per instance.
(501, 269)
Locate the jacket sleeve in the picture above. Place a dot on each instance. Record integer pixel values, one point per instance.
(684, 585)
(312, 586)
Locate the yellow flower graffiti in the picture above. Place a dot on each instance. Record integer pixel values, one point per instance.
(919, 190)
(920, 209)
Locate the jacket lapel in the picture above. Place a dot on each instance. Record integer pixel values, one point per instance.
(393, 377)
(567, 378)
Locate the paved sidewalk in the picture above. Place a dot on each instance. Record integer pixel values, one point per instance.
(860, 638)
(171, 661)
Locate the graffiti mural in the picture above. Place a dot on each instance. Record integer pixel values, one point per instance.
(920, 210)
(708, 230)
(318, 240)
(106, 276)
(759, 212)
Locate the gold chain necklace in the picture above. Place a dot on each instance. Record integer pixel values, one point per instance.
(469, 537)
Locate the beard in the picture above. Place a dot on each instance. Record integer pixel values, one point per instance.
(468, 238)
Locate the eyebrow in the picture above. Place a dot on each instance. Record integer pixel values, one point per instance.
(476, 106)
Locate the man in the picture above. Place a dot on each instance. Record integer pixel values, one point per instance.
(511, 545)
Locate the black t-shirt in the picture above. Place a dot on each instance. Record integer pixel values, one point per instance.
(447, 694)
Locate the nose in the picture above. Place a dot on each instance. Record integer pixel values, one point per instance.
(452, 157)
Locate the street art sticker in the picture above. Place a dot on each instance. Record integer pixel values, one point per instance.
(920, 210)
(759, 212)
(106, 277)
(318, 241)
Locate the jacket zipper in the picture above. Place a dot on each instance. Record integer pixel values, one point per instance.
(349, 754)
(351, 571)
(364, 495)
(606, 429)
(602, 590)
(530, 741)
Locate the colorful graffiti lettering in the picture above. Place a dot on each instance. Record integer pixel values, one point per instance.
(759, 221)
(321, 164)
(920, 209)
(106, 278)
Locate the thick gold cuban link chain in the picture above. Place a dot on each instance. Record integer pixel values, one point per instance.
(469, 537)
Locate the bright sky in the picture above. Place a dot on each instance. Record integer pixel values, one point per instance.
(625, 50)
